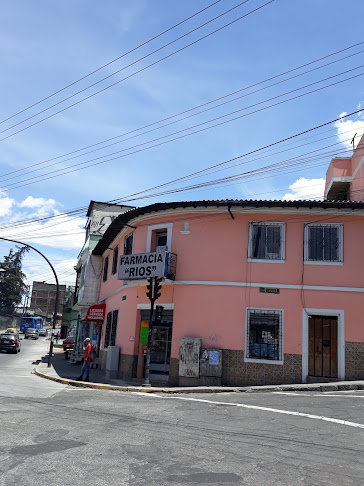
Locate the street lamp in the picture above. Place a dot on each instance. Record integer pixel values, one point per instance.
(57, 293)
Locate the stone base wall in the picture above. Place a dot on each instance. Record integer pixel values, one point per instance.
(354, 361)
(128, 366)
(235, 372)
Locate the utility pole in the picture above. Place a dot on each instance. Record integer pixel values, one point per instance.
(57, 292)
(153, 294)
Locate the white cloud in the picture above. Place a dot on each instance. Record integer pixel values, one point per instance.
(306, 189)
(6, 204)
(41, 271)
(36, 202)
(346, 129)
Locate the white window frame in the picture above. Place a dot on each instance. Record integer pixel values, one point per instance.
(283, 242)
(168, 227)
(340, 339)
(340, 262)
(281, 350)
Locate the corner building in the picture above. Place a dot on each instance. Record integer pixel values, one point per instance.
(274, 287)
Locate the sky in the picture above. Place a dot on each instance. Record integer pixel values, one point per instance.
(47, 47)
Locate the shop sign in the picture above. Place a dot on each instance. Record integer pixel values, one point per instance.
(143, 265)
(95, 313)
(144, 332)
(264, 290)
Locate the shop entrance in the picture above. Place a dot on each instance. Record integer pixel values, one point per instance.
(322, 346)
(160, 355)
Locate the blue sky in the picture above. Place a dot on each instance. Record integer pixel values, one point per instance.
(45, 45)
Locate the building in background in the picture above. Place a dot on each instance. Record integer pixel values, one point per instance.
(43, 297)
(99, 216)
(69, 316)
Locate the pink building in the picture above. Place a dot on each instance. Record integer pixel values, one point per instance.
(266, 291)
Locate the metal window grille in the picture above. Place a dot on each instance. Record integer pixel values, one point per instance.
(108, 329)
(113, 327)
(324, 243)
(129, 243)
(106, 269)
(115, 260)
(264, 334)
(266, 241)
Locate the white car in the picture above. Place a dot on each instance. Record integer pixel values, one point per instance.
(43, 332)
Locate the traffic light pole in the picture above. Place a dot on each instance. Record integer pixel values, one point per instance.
(153, 294)
(57, 293)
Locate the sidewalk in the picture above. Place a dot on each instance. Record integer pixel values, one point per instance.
(64, 372)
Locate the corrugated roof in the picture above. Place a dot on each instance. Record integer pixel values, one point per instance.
(123, 219)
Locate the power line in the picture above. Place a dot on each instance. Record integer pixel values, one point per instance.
(111, 62)
(133, 74)
(82, 166)
(25, 171)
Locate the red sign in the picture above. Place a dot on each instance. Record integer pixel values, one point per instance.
(96, 313)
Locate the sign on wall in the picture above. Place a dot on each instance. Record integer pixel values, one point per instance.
(143, 265)
(96, 313)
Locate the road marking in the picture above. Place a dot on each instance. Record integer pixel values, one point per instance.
(294, 394)
(275, 410)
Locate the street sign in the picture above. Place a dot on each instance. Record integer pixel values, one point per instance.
(143, 265)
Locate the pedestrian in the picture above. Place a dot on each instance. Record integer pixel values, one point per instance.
(86, 361)
(57, 337)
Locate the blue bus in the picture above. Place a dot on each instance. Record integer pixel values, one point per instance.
(35, 322)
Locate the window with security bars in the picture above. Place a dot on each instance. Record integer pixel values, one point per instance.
(108, 329)
(266, 241)
(106, 269)
(323, 242)
(129, 243)
(264, 334)
(115, 260)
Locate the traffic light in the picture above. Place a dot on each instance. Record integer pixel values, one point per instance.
(159, 312)
(149, 294)
(157, 288)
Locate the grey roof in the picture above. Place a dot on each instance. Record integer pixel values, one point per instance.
(124, 219)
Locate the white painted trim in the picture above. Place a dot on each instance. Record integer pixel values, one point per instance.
(263, 361)
(168, 227)
(340, 226)
(147, 306)
(340, 339)
(357, 168)
(283, 241)
(142, 283)
(335, 264)
(253, 260)
(269, 285)
(337, 179)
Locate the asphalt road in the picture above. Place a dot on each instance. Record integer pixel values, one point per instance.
(51, 434)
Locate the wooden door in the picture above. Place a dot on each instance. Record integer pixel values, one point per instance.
(322, 346)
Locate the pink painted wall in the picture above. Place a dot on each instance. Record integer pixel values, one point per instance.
(216, 251)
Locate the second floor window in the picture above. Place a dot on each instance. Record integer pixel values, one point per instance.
(106, 269)
(129, 244)
(266, 241)
(115, 260)
(323, 242)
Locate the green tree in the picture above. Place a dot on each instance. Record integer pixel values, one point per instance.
(12, 280)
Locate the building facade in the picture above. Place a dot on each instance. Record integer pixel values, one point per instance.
(43, 297)
(263, 292)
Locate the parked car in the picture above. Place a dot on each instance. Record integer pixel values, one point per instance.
(68, 343)
(11, 330)
(10, 342)
(43, 332)
(31, 333)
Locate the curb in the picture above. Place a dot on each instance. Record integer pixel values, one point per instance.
(319, 387)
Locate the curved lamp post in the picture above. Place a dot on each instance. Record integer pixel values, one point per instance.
(57, 293)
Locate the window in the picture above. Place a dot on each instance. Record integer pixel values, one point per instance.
(115, 260)
(264, 334)
(161, 241)
(128, 244)
(106, 269)
(266, 241)
(323, 242)
(111, 325)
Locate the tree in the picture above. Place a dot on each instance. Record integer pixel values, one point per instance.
(12, 280)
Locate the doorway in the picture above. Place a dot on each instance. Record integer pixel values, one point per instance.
(323, 346)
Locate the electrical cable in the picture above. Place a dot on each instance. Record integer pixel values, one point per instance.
(131, 75)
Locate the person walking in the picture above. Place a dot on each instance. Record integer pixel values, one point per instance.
(86, 361)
